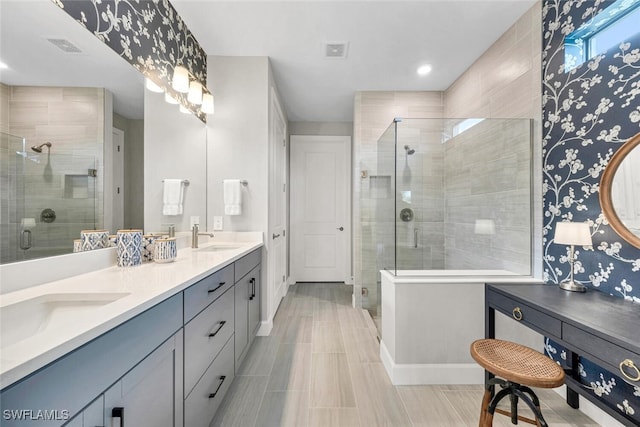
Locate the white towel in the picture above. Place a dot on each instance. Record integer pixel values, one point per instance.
(172, 199)
(232, 197)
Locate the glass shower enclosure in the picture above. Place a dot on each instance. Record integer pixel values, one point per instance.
(46, 199)
(448, 195)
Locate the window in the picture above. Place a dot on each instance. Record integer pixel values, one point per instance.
(615, 24)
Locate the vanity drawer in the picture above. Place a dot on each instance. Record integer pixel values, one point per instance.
(245, 264)
(531, 317)
(207, 290)
(611, 354)
(200, 406)
(199, 347)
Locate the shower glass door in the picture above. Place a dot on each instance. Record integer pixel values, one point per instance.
(47, 198)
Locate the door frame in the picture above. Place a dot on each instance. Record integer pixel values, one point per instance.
(347, 235)
(277, 291)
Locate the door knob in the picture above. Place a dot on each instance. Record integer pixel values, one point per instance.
(275, 236)
(340, 228)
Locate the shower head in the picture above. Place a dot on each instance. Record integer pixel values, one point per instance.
(409, 150)
(38, 148)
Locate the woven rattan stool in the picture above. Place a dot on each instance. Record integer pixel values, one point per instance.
(521, 367)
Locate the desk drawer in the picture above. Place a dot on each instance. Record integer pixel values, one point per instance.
(207, 290)
(531, 317)
(199, 348)
(611, 354)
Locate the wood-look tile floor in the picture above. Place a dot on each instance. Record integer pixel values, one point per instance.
(321, 367)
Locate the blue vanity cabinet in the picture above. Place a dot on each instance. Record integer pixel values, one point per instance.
(247, 303)
(150, 395)
(73, 382)
(92, 416)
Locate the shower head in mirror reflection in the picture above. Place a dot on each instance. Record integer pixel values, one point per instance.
(409, 150)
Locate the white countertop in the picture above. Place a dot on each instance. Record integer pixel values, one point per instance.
(145, 285)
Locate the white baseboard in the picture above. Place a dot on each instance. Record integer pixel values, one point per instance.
(431, 373)
(592, 411)
(265, 328)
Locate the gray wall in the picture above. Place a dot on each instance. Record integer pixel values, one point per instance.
(321, 128)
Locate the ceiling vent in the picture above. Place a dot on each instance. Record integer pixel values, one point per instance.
(65, 45)
(337, 50)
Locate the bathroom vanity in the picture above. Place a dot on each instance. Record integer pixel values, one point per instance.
(162, 351)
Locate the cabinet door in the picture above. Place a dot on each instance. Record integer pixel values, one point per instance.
(254, 302)
(241, 316)
(93, 415)
(150, 395)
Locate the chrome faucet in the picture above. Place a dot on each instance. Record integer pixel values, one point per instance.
(195, 233)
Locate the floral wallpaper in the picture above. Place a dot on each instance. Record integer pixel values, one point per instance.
(588, 113)
(149, 34)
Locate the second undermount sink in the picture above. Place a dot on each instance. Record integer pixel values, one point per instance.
(33, 316)
(220, 247)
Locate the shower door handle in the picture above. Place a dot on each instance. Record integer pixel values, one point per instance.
(415, 238)
(25, 240)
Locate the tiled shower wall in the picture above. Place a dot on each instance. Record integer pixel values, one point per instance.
(487, 179)
(505, 83)
(72, 119)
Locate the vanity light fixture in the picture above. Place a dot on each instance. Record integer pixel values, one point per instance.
(572, 233)
(180, 81)
(195, 93)
(207, 104)
(170, 99)
(149, 84)
(423, 70)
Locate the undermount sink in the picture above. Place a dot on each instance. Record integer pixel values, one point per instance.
(220, 247)
(24, 319)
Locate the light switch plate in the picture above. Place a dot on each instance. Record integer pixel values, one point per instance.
(217, 223)
(193, 221)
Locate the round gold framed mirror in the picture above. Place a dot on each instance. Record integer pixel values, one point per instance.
(620, 191)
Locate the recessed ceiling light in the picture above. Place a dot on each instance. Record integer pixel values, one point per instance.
(423, 70)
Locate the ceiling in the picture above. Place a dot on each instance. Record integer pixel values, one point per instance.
(388, 40)
(25, 26)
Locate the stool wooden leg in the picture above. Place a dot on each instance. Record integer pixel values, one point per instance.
(485, 404)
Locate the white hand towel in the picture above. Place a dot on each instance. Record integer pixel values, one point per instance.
(232, 197)
(172, 198)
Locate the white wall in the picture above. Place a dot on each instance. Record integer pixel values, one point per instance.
(238, 147)
(174, 147)
(238, 138)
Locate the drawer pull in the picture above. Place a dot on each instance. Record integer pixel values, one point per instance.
(217, 287)
(213, 334)
(628, 363)
(212, 395)
(253, 289)
(119, 414)
(517, 314)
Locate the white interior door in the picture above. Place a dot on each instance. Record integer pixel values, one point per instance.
(277, 207)
(320, 194)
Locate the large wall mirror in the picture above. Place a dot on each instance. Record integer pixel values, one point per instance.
(72, 128)
(620, 191)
